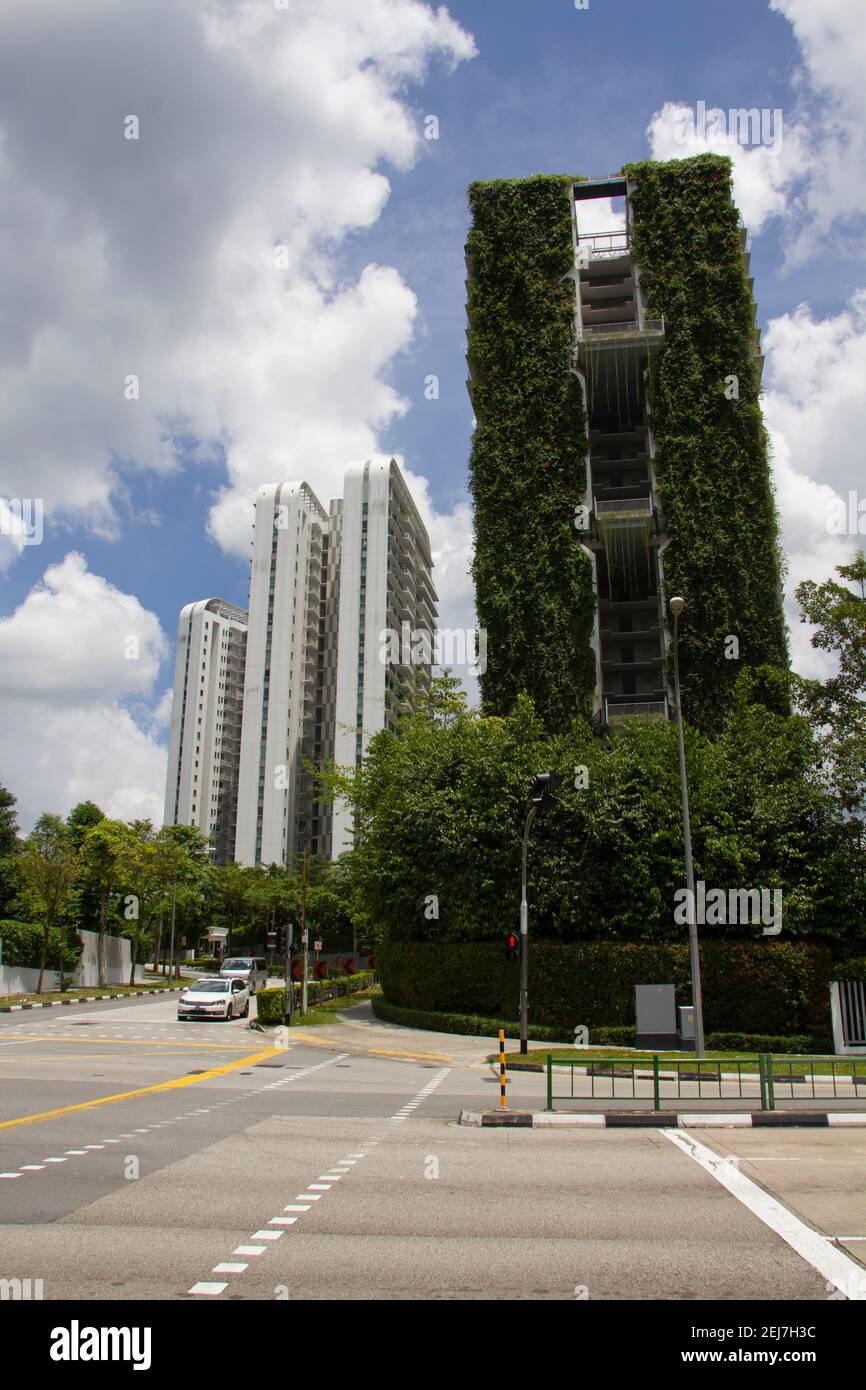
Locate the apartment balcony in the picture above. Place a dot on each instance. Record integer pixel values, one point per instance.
(629, 512)
(604, 493)
(649, 711)
(623, 332)
(603, 246)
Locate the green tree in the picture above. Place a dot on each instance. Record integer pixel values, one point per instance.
(104, 851)
(10, 881)
(48, 865)
(441, 813)
(836, 707)
(8, 822)
(234, 888)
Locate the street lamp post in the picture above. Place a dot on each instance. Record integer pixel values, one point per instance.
(677, 606)
(171, 949)
(524, 936)
(543, 786)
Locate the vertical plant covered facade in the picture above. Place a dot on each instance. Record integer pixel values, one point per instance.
(533, 583)
(535, 345)
(711, 461)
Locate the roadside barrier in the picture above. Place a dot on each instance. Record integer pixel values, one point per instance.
(763, 1078)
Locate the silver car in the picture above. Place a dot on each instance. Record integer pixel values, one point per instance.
(253, 970)
(214, 999)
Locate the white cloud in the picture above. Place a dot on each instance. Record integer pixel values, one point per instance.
(832, 38)
(815, 181)
(71, 655)
(199, 257)
(764, 176)
(816, 414)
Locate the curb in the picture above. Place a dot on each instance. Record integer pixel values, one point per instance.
(662, 1119)
(89, 999)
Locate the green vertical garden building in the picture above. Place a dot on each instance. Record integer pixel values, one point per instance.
(619, 454)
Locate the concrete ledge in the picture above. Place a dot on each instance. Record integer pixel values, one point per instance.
(662, 1119)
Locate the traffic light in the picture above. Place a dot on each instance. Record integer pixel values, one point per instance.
(544, 784)
(271, 940)
(512, 946)
(281, 940)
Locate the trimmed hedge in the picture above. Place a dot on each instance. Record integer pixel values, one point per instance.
(457, 1023)
(771, 987)
(271, 1003)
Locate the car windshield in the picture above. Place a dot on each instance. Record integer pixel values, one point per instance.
(209, 987)
(237, 964)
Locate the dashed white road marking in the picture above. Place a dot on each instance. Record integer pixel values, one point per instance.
(315, 1190)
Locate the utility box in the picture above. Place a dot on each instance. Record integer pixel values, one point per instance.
(687, 1027)
(656, 1014)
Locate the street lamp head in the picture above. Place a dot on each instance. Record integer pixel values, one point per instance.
(677, 606)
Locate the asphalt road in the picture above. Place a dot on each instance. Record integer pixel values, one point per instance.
(141, 1158)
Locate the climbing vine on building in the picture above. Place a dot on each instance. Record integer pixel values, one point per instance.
(527, 471)
(711, 446)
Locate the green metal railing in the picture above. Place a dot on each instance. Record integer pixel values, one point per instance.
(764, 1076)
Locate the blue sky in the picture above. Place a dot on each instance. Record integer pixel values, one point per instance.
(147, 257)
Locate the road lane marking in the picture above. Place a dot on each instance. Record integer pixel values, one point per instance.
(136, 1042)
(395, 1052)
(142, 1091)
(315, 1190)
(813, 1247)
(207, 1288)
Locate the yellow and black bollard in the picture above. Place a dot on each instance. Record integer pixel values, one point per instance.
(503, 1080)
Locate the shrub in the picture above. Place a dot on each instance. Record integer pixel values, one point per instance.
(457, 1023)
(854, 969)
(22, 946)
(271, 1003)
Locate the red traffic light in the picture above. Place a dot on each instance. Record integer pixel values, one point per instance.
(512, 946)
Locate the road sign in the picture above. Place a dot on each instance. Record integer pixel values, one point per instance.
(317, 945)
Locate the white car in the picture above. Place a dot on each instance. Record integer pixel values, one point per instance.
(214, 999)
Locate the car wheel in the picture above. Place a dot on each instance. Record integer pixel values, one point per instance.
(246, 1011)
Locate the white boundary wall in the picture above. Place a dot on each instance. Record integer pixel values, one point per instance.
(19, 979)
